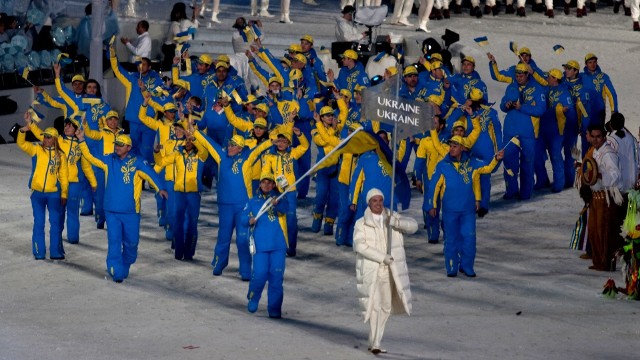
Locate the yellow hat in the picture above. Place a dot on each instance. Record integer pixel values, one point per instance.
(461, 123)
(457, 139)
(349, 54)
(224, 58)
(286, 135)
(436, 56)
(260, 122)
(556, 73)
(435, 65)
(522, 68)
(392, 70)
(222, 64)
(78, 77)
(476, 94)
(112, 114)
(469, 59)
(435, 99)
(410, 70)
(572, 64)
(236, 140)
(359, 88)
(346, 93)
(73, 122)
(250, 99)
(590, 56)
(275, 79)
(51, 132)
(123, 139)
(262, 107)
(295, 48)
(205, 59)
(183, 84)
(294, 75)
(308, 38)
(169, 107)
(285, 60)
(301, 58)
(326, 110)
(266, 174)
(524, 50)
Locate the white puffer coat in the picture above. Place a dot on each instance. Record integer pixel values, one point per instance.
(370, 244)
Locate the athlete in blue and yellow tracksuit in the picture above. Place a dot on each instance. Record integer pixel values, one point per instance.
(76, 164)
(327, 177)
(49, 188)
(524, 102)
(187, 161)
(124, 172)
(582, 100)
(105, 140)
(559, 116)
(600, 86)
(280, 161)
(456, 185)
(270, 237)
(141, 136)
(234, 189)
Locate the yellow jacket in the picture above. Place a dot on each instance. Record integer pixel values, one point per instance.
(71, 147)
(107, 136)
(281, 162)
(187, 167)
(49, 168)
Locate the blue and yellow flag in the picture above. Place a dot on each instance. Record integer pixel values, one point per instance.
(364, 141)
(482, 40)
(185, 36)
(63, 59)
(24, 72)
(558, 49)
(513, 46)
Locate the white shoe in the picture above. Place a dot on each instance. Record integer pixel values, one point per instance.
(423, 28)
(254, 12)
(310, 2)
(285, 19)
(404, 22)
(214, 18)
(201, 14)
(265, 13)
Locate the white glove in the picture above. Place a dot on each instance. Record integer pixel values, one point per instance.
(617, 196)
(387, 259)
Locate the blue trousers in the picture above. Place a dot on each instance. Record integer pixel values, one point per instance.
(142, 139)
(185, 229)
(302, 165)
(230, 218)
(551, 143)
(210, 169)
(432, 223)
(459, 241)
(326, 196)
(86, 194)
(292, 222)
(344, 230)
(123, 235)
(519, 160)
(99, 195)
(166, 209)
(568, 142)
(72, 213)
(268, 267)
(40, 202)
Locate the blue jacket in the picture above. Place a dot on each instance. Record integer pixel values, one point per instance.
(198, 83)
(270, 231)
(598, 83)
(582, 100)
(348, 79)
(509, 75)
(457, 184)
(463, 83)
(555, 120)
(123, 180)
(524, 122)
(490, 140)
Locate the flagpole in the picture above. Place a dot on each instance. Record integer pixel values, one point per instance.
(394, 142)
(264, 208)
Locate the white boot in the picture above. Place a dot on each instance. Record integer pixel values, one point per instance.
(265, 13)
(214, 18)
(285, 19)
(202, 9)
(423, 27)
(254, 7)
(310, 2)
(405, 22)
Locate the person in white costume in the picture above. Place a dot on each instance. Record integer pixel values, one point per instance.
(381, 273)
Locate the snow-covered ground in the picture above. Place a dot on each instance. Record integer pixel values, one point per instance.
(533, 297)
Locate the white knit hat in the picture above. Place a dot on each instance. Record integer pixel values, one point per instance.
(374, 192)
